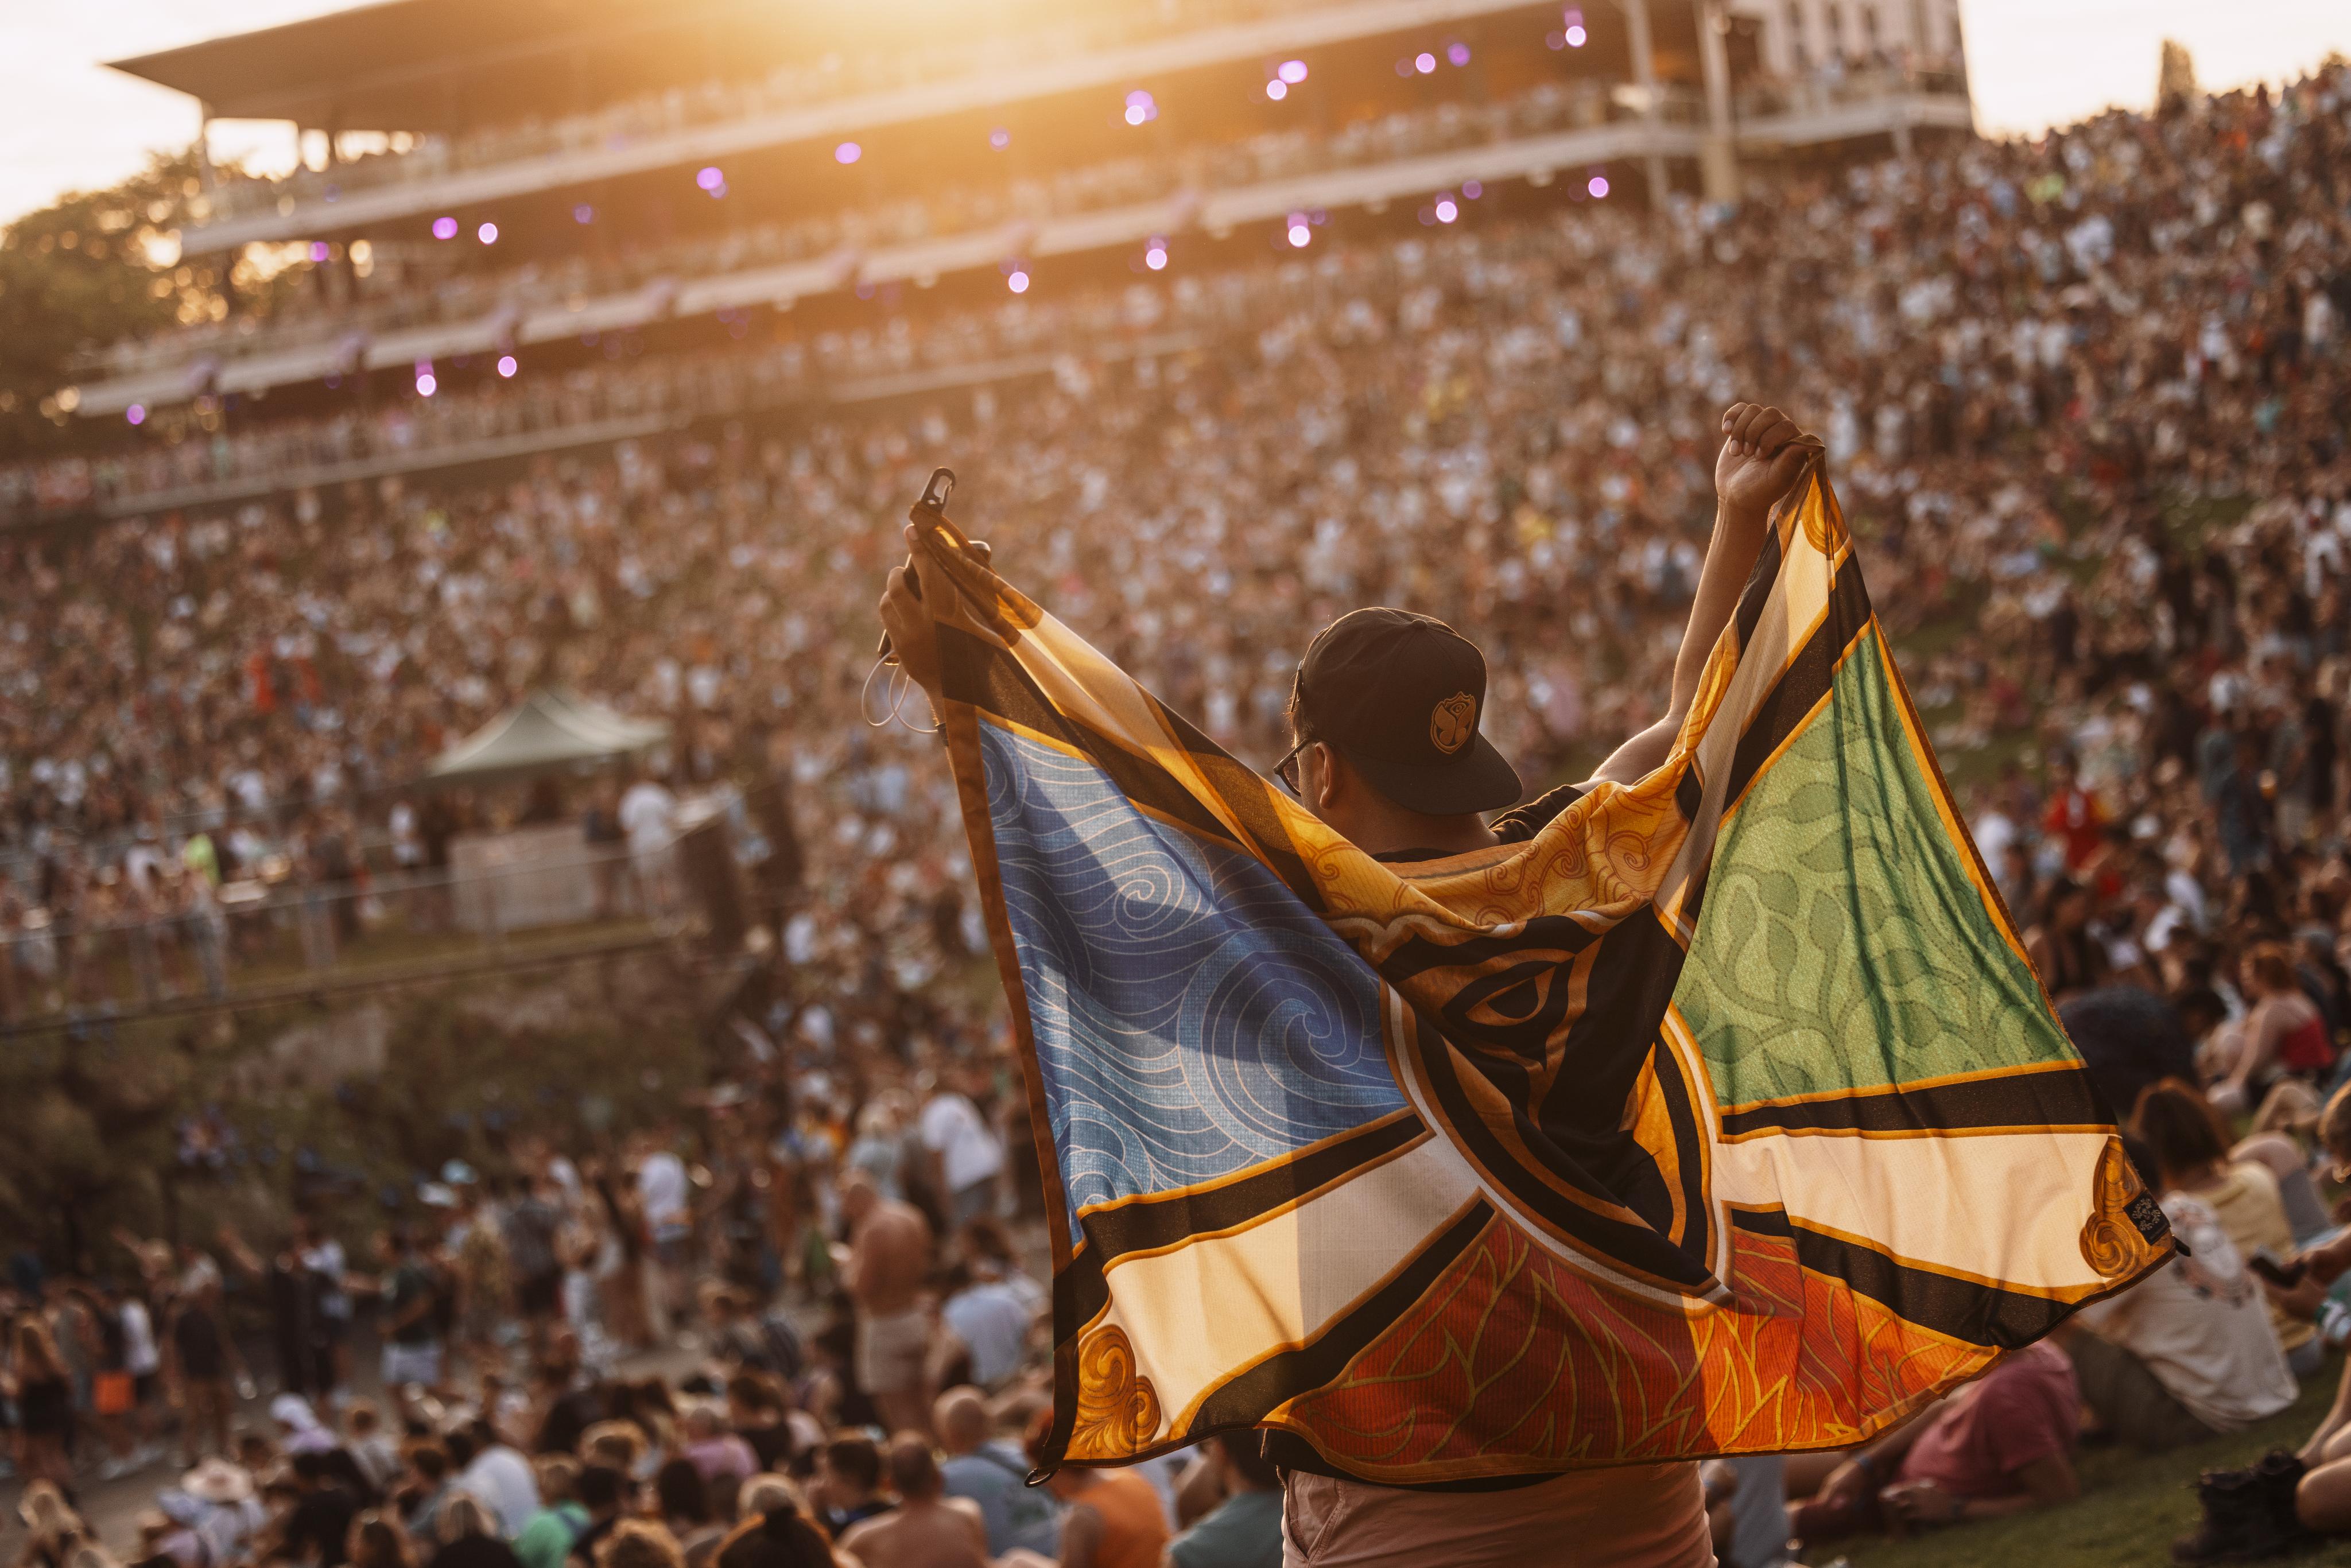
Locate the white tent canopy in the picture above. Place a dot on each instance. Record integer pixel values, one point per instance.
(548, 731)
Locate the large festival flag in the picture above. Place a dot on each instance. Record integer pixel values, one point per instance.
(1724, 1116)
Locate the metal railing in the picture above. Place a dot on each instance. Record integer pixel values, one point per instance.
(1821, 91)
(798, 85)
(256, 940)
(1107, 183)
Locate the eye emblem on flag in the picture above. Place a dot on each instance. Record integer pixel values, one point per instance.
(1453, 722)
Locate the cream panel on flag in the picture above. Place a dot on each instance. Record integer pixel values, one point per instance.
(1211, 1308)
(1948, 1203)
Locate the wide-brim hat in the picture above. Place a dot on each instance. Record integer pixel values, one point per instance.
(217, 1480)
(45, 1511)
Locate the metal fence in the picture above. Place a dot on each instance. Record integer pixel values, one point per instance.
(255, 940)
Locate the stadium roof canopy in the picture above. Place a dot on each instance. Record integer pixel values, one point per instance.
(548, 732)
(452, 65)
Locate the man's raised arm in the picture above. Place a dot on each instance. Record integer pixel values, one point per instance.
(1762, 454)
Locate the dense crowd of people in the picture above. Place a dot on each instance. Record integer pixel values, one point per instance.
(2042, 371)
(2084, 402)
(589, 1361)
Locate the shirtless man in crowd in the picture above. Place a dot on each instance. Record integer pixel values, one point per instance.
(889, 1262)
(927, 1529)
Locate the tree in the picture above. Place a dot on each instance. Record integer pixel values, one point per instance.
(97, 267)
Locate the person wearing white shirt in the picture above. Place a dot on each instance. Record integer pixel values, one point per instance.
(1994, 832)
(648, 818)
(967, 1156)
(322, 1258)
(500, 1475)
(660, 1191)
(142, 860)
(144, 1360)
(2189, 1350)
(662, 1196)
(990, 1320)
(407, 845)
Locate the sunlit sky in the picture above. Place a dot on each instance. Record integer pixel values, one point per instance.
(68, 124)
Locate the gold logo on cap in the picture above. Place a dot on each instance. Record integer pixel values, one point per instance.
(1452, 722)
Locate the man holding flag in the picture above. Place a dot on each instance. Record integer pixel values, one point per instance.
(1490, 1166)
(1363, 760)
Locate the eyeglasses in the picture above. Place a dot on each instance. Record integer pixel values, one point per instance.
(1285, 772)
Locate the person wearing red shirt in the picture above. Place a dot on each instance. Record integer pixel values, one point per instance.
(2001, 1445)
(2074, 815)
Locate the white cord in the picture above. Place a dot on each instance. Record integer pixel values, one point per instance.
(900, 684)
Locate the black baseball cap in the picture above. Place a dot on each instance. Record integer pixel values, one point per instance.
(1400, 696)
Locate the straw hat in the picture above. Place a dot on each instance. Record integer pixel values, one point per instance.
(624, 1436)
(45, 1511)
(217, 1480)
(2292, 1106)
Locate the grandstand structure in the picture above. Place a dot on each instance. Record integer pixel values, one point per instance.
(504, 192)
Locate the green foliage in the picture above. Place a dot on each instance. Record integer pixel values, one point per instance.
(93, 1125)
(97, 267)
(87, 1130)
(455, 1082)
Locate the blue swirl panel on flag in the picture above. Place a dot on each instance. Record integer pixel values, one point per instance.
(1192, 1017)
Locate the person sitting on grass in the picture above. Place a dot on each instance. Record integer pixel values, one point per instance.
(2323, 1265)
(2285, 1497)
(2189, 1351)
(2179, 1130)
(2282, 1033)
(2276, 1503)
(1999, 1445)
